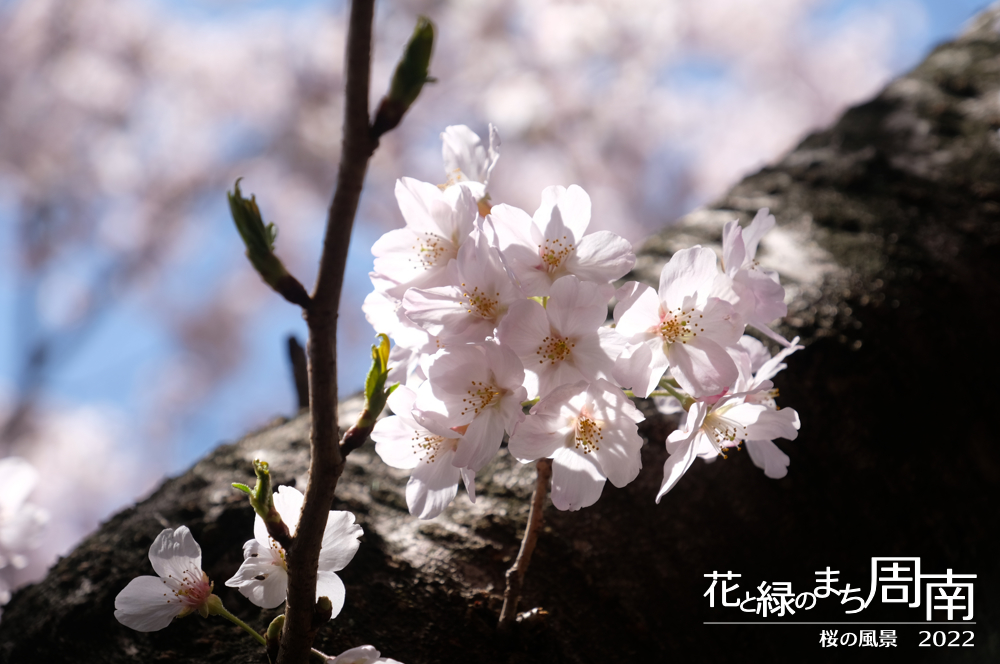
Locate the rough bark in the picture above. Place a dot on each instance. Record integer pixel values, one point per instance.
(889, 241)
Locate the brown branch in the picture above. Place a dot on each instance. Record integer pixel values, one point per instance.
(327, 462)
(515, 575)
(300, 371)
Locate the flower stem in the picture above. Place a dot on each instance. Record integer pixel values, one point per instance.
(515, 575)
(221, 611)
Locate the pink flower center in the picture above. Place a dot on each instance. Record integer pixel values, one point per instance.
(478, 397)
(554, 252)
(481, 304)
(679, 325)
(554, 349)
(430, 249)
(588, 435)
(191, 590)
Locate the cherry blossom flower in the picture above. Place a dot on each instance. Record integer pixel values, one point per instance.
(553, 243)
(263, 576)
(718, 422)
(471, 307)
(361, 655)
(466, 160)
(684, 326)
(590, 432)
(418, 255)
(479, 388)
(758, 389)
(426, 446)
(563, 342)
(150, 603)
(760, 297)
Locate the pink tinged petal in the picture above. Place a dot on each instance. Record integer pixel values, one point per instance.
(768, 297)
(340, 541)
(551, 376)
(702, 367)
(576, 480)
(601, 257)
(689, 271)
(766, 455)
(641, 367)
(720, 322)
(675, 466)
(432, 486)
(762, 222)
(174, 553)
(469, 480)
(771, 367)
(414, 198)
(563, 209)
(147, 604)
(575, 307)
(772, 334)
(733, 249)
(329, 585)
(638, 314)
(401, 400)
(513, 228)
(756, 351)
(771, 424)
(504, 363)
(361, 654)
(618, 452)
(462, 151)
(394, 442)
(481, 441)
(538, 436)
(523, 328)
(443, 312)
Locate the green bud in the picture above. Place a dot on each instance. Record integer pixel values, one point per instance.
(408, 80)
(259, 241)
(375, 392)
(272, 638)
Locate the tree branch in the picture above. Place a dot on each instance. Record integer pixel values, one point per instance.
(327, 462)
(515, 575)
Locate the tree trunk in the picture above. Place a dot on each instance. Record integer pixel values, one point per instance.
(887, 239)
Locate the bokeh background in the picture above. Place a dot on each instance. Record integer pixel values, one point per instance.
(134, 336)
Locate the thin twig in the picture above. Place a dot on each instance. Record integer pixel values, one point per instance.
(300, 371)
(327, 462)
(515, 575)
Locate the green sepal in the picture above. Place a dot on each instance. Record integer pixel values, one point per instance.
(242, 487)
(375, 392)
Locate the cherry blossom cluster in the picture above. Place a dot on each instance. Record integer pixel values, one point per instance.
(492, 309)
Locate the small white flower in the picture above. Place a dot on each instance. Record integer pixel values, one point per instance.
(564, 341)
(466, 160)
(685, 326)
(590, 432)
(555, 242)
(150, 603)
(263, 576)
(427, 447)
(361, 655)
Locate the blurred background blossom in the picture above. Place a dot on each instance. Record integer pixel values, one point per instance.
(134, 336)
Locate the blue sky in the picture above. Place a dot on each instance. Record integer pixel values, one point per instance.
(124, 347)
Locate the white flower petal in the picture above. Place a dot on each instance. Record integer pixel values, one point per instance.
(576, 480)
(340, 541)
(147, 604)
(766, 455)
(676, 465)
(174, 552)
(329, 585)
(601, 257)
